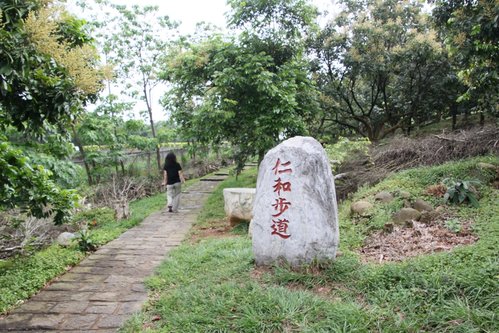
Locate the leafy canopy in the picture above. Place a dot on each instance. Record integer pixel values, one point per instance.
(252, 90)
(48, 72)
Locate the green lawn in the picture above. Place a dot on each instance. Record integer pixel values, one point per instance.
(213, 286)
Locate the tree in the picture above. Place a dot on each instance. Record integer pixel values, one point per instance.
(380, 68)
(104, 134)
(50, 78)
(135, 49)
(471, 32)
(253, 90)
(48, 73)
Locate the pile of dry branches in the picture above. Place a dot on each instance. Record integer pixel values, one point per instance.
(403, 153)
(120, 189)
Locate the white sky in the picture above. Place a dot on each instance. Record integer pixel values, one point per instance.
(189, 12)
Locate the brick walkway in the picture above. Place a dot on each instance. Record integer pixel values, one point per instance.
(107, 287)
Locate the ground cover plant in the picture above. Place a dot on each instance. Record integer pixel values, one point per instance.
(21, 277)
(213, 285)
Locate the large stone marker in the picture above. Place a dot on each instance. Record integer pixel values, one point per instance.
(295, 213)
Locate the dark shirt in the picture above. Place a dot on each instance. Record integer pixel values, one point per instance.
(172, 174)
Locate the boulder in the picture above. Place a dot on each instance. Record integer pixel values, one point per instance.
(429, 217)
(404, 194)
(440, 209)
(388, 227)
(361, 207)
(65, 238)
(384, 197)
(406, 214)
(422, 205)
(488, 166)
(295, 211)
(238, 204)
(409, 224)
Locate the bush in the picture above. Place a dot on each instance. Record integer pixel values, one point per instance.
(459, 191)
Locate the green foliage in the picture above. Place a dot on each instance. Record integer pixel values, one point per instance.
(26, 275)
(64, 172)
(344, 147)
(30, 187)
(453, 225)
(471, 30)
(459, 191)
(85, 241)
(134, 40)
(35, 90)
(253, 90)
(41, 94)
(373, 65)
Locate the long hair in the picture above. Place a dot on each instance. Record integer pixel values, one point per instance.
(170, 159)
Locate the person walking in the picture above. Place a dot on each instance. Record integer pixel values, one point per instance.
(173, 178)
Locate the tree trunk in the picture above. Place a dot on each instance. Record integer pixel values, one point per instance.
(151, 120)
(453, 111)
(83, 156)
(97, 178)
(149, 163)
(122, 168)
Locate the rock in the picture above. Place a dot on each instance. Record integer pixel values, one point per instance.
(384, 197)
(361, 207)
(65, 238)
(388, 227)
(238, 204)
(422, 205)
(409, 224)
(428, 217)
(406, 214)
(250, 229)
(487, 166)
(404, 195)
(295, 213)
(440, 209)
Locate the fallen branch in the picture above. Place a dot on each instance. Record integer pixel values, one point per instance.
(341, 175)
(448, 139)
(10, 249)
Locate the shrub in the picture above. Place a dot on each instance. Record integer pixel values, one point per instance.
(459, 191)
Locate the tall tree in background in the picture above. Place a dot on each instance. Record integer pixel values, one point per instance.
(471, 32)
(253, 90)
(380, 67)
(135, 49)
(48, 73)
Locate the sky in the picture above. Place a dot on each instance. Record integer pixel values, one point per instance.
(188, 12)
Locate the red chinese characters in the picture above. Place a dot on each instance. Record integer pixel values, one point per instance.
(280, 224)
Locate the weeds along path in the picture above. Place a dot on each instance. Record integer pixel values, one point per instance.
(105, 289)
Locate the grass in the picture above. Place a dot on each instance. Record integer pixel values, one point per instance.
(213, 286)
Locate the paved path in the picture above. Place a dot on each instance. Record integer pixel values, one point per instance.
(105, 289)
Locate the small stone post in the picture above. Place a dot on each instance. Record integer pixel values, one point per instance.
(295, 212)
